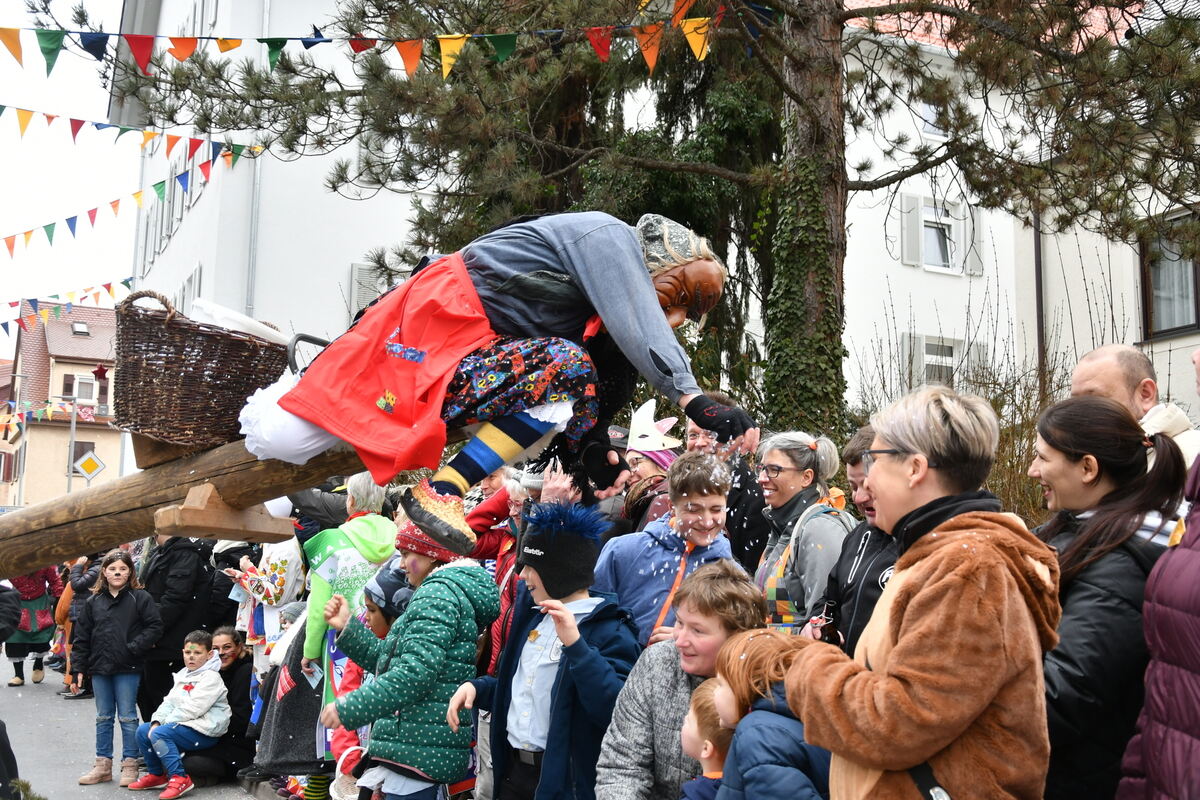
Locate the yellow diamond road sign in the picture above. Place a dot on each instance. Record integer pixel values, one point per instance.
(89, 465)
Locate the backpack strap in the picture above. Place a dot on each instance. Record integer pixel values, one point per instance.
(923, 777)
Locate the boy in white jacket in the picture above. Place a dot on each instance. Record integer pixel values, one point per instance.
(193, 716)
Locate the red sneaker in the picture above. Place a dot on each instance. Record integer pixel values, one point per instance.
(178, 786)
(148, 781)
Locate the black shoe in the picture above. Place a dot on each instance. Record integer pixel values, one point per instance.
(254, 773)
(81, 696)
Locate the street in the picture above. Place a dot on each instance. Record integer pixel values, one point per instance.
(54, 741)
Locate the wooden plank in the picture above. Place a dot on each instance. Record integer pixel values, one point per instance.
(121, 511)
(149, 452)
(204, 515)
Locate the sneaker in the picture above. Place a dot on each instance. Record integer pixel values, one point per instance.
(178, 786)
(84, 695)
(440, 516)
(148, 782)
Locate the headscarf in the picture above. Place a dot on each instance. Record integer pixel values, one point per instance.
(667, 244)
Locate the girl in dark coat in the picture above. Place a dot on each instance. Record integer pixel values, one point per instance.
(115, 630)
(1114, 520)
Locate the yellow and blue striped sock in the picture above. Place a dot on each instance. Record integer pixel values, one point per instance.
(497, 443)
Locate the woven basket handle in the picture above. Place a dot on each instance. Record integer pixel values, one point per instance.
(138, 295)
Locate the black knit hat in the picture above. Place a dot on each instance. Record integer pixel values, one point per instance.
(562, 542)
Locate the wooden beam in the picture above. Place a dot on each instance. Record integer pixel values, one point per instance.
(205, 515)
(121, 511)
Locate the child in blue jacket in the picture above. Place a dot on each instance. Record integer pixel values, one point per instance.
(562, 667)
(768, 758)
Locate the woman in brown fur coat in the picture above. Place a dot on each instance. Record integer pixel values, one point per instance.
(945, 687)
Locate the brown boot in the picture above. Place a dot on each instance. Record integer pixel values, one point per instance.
(129, 771)
(101, 771)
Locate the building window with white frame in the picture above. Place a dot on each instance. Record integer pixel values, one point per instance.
(81, 387)
(938, 241)
(1170, 288)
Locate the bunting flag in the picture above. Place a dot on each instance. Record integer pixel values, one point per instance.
(696, 30)
(274, 48)
(182, 47)
(601, 39)
(33, 304)
(12, 40)
(649, 38)
(76, 124)
(193, 146)
(183, 180)
(95, 44)
(503, 43)
(410, 52)
(225, 45)
(205, 169)
(70, 225)
(45, 315)
(28, 236)
(108, 288)
(681, 8)
(23, 117)
(50, 42)
(49, 229)
(314, 40)
(10, 242)
(116, 205)
(137, 198)
(172, 140)
(92, 216)
(217, 147)
(147, 136)
(450, 47)
(142, 47)
(360, 43)
(235, 152)
(160, 189)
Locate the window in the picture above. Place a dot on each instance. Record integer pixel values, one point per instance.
(929, 126)
(80, 449)
(82, 388)
(937, 237)
(80, 329)
(1170, 288)
(939, 361)
(7, 464)
(941, 236)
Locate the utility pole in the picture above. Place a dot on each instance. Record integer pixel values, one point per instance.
(24, 442)
(71, 445)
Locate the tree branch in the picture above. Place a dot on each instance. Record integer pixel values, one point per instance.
(901, 174)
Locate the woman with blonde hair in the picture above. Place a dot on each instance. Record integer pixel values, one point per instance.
(945, 686)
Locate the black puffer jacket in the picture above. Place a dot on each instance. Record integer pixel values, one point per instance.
(857, 579)
(10, 612)
(114, 634)
(177, 576)
(1094, 677)
(745, 526)
(83, 577)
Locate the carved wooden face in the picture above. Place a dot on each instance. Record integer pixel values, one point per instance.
(690, 290)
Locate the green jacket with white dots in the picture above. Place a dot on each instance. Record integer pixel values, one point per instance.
(426, 656)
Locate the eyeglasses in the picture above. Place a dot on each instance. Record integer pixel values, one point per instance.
(636, 461)
(695, 436)
(868, 457)
(774, 470)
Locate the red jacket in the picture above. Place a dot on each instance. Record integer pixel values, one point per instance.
(495, 538)
(45, 581)
(380, 385)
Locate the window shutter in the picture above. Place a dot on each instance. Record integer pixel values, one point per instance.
(911, 230)
(68, 385)
(912, 360)
(974, 263)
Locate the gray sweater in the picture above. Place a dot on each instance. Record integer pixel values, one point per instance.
(641, 757)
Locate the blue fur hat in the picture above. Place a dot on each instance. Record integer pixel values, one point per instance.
(562, 542)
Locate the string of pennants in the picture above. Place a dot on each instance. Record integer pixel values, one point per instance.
(25, 117)
(14, 420)
(27, 322)
(696, 30)
(217, 150)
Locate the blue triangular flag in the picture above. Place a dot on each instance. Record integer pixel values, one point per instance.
(32, 304)
(102, 125)
(69, 307)
(183, 179)
(316, 39)
(94, 44)
(71, 225)
(5, 326)
(217, 147)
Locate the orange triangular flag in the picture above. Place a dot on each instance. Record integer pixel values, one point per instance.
(23, 117)
(28, 236)
(31, 320)
(96, 297)
(681, 8)
(186, 45)
(12, 40)
(206, 170)
(225, 45)
(10, 242)
(116, 204)
(649, 39)
(228, 156)
(172, 140)
(49, 117)
(147, 136)
(410, 51)
(137, 197)
(450, 46)
(695, 30)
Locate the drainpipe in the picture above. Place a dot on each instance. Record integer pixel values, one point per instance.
(1039, 310)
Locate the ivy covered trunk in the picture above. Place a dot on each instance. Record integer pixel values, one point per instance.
(805, 386)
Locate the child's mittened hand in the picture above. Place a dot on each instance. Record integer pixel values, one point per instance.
(464, 697)
(564, 621)
(337, 612)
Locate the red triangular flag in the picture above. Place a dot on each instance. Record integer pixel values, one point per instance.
(76, 124)
(92, 216)
(358, 43)
(601, 39)
(49, 117)
(142, 47)
(205, 169)
(172, 140)
(681, 8)
(193, 146)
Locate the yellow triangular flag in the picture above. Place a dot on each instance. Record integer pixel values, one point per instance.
(12, 40)
(695, 30)
(147, 136)
(109, 289)
(28, 236)
(137, 196)
(44, 313)
(70, 297)
(49, 406)
(23, 117)
(225, 45)
(450, 47)
(256, 149)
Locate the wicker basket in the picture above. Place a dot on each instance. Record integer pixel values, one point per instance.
(184, 382)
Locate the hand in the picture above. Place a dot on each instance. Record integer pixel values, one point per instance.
(564, 621)
(233, 574)
(603, 465)
(661, 634)
(733, 426)
(81, 561)
(557, 486)
(464, 697)
(337, 613)
(330, 718)
(810, 631)
(245, 564)
(79, 682)
(619, 484)
(306, 666)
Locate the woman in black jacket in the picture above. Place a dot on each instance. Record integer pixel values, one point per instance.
(1114, 520)
(234, 750)
(115, 630)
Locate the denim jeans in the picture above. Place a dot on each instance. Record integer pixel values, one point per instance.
(163, 747)
(116, 696)
(432, 793)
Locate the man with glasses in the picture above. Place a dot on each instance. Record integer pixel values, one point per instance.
(745, 525)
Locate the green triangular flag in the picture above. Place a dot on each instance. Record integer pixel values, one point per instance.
(49, 229)
(57, 311)
(124, 130)
(51, 43)
(237, 153)
(274, 48)
(127, 282)
(2, 109)
(160, 189)
(41, 412)
(504, 44)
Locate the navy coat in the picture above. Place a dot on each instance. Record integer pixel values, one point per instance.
(590, 676)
